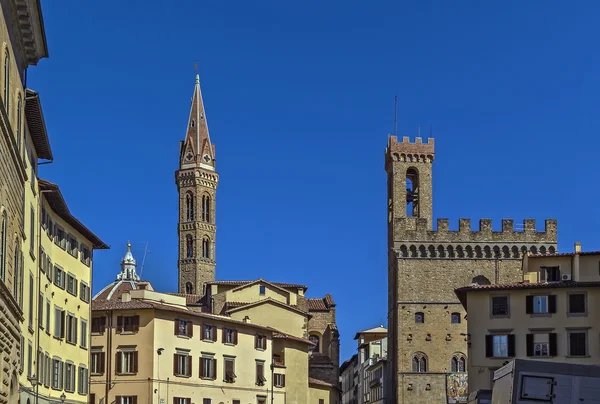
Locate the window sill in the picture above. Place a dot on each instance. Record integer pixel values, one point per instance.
(499, 357)
(185, 376)
(578, 356)
(32, 254)
(533, 315)
(208, 378)
(499, 316)
(126, 374)
(58, 338)
(229, 343)
(540, 356)
(126, 333)
(83, 347)
(183, 336)
(72, 343)
(577, 314)
(260, 349)
(208, 340)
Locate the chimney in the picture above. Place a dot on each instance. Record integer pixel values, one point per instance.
(575, 272)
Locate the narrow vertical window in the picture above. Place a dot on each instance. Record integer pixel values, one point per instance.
(189, 246)
(205, 247)
(16, 271)
(19, 124)
(189, 207)
(206, 208)
(3, 248)
(188, 288)
(6, 83)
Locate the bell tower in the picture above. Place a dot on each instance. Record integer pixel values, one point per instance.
(197, 182)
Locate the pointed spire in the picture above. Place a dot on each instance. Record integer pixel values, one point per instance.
(198, 148)
(128, 265)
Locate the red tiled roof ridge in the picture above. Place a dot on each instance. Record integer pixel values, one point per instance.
(565, 254)
(530, 285)
(321, 382)
(241, 282)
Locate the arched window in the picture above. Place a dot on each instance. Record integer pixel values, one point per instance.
(16, 271)
(419, 362)
(206, 208)
(3, 248)
(188, 288)
(19, 124)
(458, 363)
(455, 318)
(7, 82)
(315, 340)
(419, 317)
(205, 247)
(481, 280)
(189, 246)
(412, 192)
(189, 206)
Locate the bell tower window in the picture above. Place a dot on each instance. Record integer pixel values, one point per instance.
(188, 288)
(205, 247)
(189, 206)
(189, 246)
(206, 208)
(412, 192)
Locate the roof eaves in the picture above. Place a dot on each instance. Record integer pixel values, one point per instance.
(36, 125)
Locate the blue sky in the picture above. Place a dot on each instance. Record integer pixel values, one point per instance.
(299, 99)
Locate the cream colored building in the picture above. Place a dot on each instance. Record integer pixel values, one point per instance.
(151, 347)
(552, 315)
(23, 43)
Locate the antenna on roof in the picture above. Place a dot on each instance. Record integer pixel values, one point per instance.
(395, 115)
(146, 251)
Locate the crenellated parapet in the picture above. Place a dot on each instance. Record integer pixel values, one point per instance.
(414, 239)
(407, 151)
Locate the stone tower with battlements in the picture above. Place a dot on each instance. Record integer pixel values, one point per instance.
(197, 182)
(426, 322)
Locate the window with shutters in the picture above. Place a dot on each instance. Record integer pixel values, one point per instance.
(59, 277)
(97, 359)
(126, 400)
(41, 311)
(208, 367)
(260, 342)
(229, 369)
(98, 325)
(182, 364)
(209, 333)
(29, 359)
(126, 362)
(82, 380)
(71, 329)
(577, 304)
(84, 292)
(3, 257)
(419, 362)
(182, 400)
(40, 366)
(541, 344)
(128, 324)
(72, 245)
(48, 316)
(85, 256)
(57, 374)
(84, 334)
(577, 342)
(230, 336)
(31, 297)
(49, 266)
(72, 284)
(59, 323)
(48, 370)
(500, 306)
(500, 345)
(59, 237)
(540, 304)
(184, 328)
(69, 377)
(550, 274)
(279, 380)
(260, 373)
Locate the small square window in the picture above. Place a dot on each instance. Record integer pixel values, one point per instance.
(500, 306)
(455, 318)
(262, 290)
(577, 303)
(419, 318)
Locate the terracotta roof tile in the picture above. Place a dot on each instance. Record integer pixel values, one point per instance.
(240, 283)
(317, 305)
(329, 300)
(278, 334)
(312, 380)
(538, 255)
(522, 285)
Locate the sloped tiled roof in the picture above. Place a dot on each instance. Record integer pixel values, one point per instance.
(321, 303)
(269, 300)
(278, 334)
(569, 254)
(312, 380)
(113, 291)
(240, 283)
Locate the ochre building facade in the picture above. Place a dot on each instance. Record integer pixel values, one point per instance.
(426, 322)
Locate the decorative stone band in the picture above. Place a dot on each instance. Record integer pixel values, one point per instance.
(484, 251)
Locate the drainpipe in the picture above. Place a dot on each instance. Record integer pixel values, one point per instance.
(575, 273)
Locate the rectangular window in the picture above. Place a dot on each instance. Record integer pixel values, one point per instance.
(49, 269)
(182, 364)
(206, 401)
(262, 290)
(41, 311)
(84, 292)
(260, 373)
(540, 304)
(72, 284)
(86, 256)
(60, 237)
(47, 316)
(48, 381)
(128, 324)
(44, 219)
(552, 273)
(184, 328)
(208, 367)
(577, 303)
(500, 346)
(22, 354)
(500, 306)
(236, 402)
(182, 400)
(541, 344)
(97, 361)
(84, 335)
(127, 362)
(42, 261)
(29, 359)
(98, 325)
(59, 277)
(230, 336)
(263, 400)
(260, 342)
(279, 380)
(71, 329)
(31, 296)
(57, 374)
(32, 230)
(69, 377)
(59, 323)
(22, 278)
(578, 343)
(82, 380)
(40, 364)
(209, 332)
(229, 370)
(72, 245)
(126, 400)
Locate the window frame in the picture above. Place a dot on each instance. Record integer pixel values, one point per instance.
(419, 317)
(182, 365)
(72, 279)
(208, 366)
(584, 313)
(583, 331)
(505, 315)
(226, 377)
(458, 317)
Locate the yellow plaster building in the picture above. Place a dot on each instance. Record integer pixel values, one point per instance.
(552, 315)
(151, 347)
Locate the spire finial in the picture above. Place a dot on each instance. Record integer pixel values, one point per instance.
(128, 245)
(197, 74)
